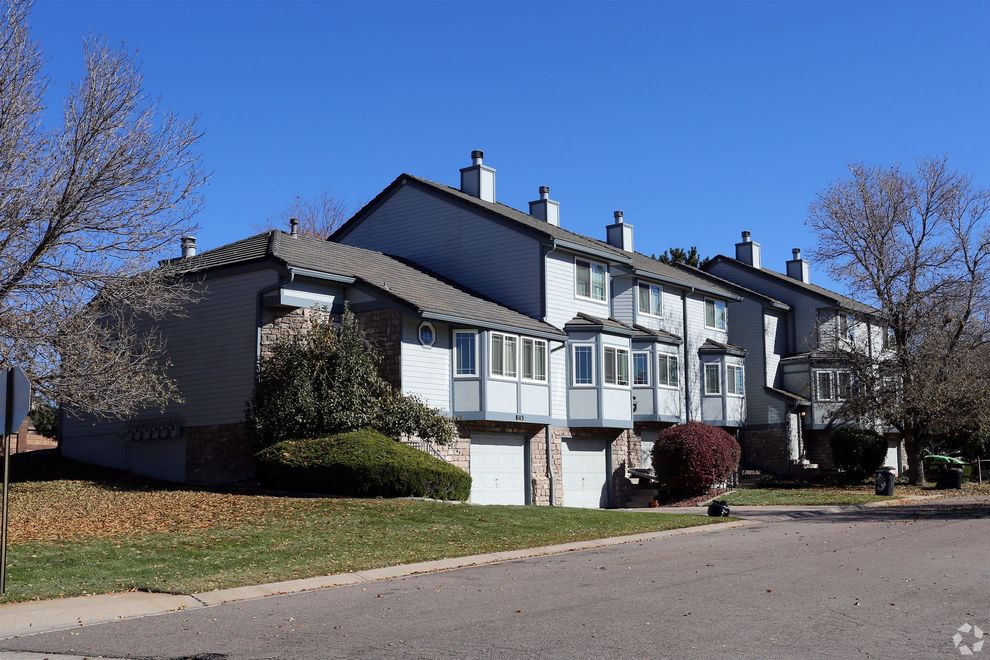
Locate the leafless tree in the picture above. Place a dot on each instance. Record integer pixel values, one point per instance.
(916, 245)
(318, 217)
(87, 210)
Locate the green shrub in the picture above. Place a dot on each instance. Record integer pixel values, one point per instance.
(362, 463)
(326, 381)
(857, 451)
(691, 458)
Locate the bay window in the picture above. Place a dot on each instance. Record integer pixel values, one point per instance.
(465, 353)
(504, 355)
(667, 370)
(641, 368)
(616, 366)
(534, 360)
(584, 364)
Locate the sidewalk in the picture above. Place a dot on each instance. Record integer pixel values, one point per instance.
(17, 619)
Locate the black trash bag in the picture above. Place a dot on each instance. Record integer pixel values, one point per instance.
(718, 509)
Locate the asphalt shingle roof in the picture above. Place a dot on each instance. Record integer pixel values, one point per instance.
(583, 320)
(713, 346)
(425, 291)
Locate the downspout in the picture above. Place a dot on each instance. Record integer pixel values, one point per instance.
(687, 359)
(552, 474)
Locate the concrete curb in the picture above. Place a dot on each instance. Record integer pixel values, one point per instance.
(34, 617)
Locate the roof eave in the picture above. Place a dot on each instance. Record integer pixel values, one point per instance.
(451, 318)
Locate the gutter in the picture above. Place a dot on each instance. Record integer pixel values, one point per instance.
(576, 247)
(319, 275)
(684, 285)
(450, 318)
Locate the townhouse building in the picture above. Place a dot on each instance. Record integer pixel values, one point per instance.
(795, 333)
(559, 356)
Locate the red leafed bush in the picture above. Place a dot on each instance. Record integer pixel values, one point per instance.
(690, 458)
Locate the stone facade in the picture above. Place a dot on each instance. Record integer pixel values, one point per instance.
(218, 454)
(383, 328)
(765, 449)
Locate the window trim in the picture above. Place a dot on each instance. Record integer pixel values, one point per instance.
(839, 396)
(667, 358)
(889, 339)
(491, 356)
(591, 284)
(733, 368)
(649, 369)
(419, 334)
(725, 314)
(818, 385)
(546, 359)
(457, 353)
(718, 381)
(616, 384)
(639, 300)
(591, 363)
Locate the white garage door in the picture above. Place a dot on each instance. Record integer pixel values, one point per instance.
(498, 468)
(585, 474)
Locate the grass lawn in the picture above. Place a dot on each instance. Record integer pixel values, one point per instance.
(72, 536)
(802, 496)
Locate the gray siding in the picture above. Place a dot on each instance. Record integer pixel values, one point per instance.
(475, 251)
(624, 299)
(562, 304)
(761, 333)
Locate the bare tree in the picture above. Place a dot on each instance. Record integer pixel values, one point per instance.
(318, 217)
(916, 245)
(87, 209)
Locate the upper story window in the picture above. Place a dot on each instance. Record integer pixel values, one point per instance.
(616, 366)
(667, 370)
(534, 360)
(713, 378)
(590, 280)
(716, 314)
(833, 385)
(735, 383)
(584, 364)
(641, 368)
(650, 299)
(846, 326)
(465, 353)
(504, 355)
(889, 339)
(427, 335)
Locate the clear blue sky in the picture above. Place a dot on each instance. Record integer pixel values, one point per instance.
(698, 119)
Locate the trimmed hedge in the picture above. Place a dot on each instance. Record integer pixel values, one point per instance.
(362, 463)
(690, 458)
(857, 451)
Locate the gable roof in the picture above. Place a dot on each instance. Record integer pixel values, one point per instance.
(712, 346)
(837, 299)
(678, 274)
(431, 295)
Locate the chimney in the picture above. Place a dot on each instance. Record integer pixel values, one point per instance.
(188, 246)
(748, 252)
(478, 180)
(798, 268)
(545, 209)
(293, 227)
(619, 234)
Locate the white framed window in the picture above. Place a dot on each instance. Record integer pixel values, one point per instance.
(505, 356)
(583, 364)
(846, 326)
(889, 339)
(534, 360)
(713, 378)
(668, 372)
(641, 368)
(716, 314)
(823, 385)
(650, 299)
(427, 334)
(465, 353)
(615, 367)
(590, 280)
(843, 385)
(735, 383)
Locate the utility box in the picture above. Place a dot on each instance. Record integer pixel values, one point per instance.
(885, 481)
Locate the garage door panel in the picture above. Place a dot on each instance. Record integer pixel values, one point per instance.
(585, 472)
(498, 468)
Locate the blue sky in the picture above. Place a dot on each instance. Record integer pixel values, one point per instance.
(698, 119)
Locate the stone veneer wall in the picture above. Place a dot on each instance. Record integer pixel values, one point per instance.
(218, 454)
(766, 449)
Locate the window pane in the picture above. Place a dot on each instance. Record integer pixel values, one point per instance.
(656, 302)
(644, 298)
(610, 366)
(583, 273)
(582, 365)
(527, 358)
(712, 378)
(498, 351)
(740, 380)
(672, 370)
(722, 315)
(510, 357)
(824, 385)
(622, 358)
(465, 353)
(843, 385)
(598, 282)
(540, 360)
(641, 369)
(710, 313)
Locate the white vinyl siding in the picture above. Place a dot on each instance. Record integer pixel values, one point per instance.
(465, 353)
(650, 299)
(590, 279)
(616, 367)
(584, 364)
(504, 355)
(713, 379)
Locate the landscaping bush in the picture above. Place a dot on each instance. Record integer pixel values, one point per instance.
(363, 463)
(857, 451)
(690, 458)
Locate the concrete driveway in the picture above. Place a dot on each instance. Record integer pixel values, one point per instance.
(892, 582)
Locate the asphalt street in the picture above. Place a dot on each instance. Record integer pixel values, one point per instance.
(878, 583)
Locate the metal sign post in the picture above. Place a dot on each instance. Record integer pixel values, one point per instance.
(15, 397)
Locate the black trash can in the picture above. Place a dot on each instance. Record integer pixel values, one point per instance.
(949, 478)
(885, 481)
